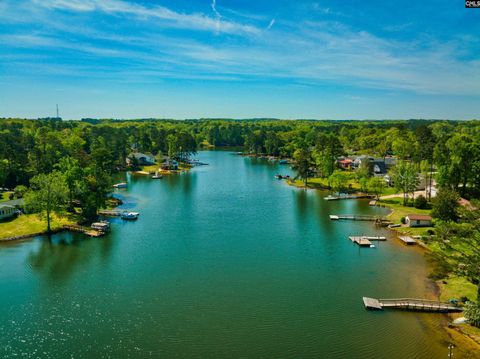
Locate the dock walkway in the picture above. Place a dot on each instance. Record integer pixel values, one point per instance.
(85, 230)
(407, 240)
(365, 241)
(423, 305)
(357, 217)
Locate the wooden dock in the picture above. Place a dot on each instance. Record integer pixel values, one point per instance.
(357, 217)
(407, 240)
(85, 230)
(423, 305)
(365, 241)
(361, 241)
(110, 213)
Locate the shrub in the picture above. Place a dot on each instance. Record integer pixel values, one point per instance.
(472, 313)
(403, 220)
(421, 202)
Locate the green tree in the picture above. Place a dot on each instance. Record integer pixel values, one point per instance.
(303, 161)
(48, 194)
(404, 176)
(445, 205)
(376, 185)
(338, 181)
(73, 173)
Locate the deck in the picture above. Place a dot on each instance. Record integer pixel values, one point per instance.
(407, 240)
(85, 230)
(365, 241)
(423, 305)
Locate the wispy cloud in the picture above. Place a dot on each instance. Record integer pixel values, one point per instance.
(272, 22)
(194, 21)
(314, 53)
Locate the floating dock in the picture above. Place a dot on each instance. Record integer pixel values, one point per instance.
(365, 241)
(423, 305)
(407, 240)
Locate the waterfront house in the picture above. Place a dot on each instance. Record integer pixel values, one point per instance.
(345, 163)
(7, 211)
(418, 220)
(169, 165)
(141, 158)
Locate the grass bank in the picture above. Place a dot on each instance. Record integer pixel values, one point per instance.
(27, 224)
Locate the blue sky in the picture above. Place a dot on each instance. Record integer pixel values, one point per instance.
(239, 59)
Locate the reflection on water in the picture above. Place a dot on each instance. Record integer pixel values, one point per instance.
(56, 259)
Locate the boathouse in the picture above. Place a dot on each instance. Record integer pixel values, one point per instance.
(418, 220)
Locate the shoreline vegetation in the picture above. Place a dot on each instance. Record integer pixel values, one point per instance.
(64, 169)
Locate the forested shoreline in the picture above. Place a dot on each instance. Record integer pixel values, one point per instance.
(32, 147)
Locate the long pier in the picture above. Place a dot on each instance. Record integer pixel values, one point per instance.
(423, 305)
(357, 217)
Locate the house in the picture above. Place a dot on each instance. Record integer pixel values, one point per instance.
(7, 211)
(141, 158)
(170, 165)
(418, 220)
(345, 163)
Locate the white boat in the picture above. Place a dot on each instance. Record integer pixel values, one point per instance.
(120, 185)
(130, 215)
(334, 218)
(157, 176)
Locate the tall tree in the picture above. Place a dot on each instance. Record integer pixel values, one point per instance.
(48, 194)
(405, 178)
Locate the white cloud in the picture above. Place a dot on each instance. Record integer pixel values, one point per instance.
(193, 21)
(272, 22)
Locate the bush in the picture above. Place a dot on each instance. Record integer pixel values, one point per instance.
(421, 202)
(403, 220)
(472, 313)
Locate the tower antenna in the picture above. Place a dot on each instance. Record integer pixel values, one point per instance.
(57, 112)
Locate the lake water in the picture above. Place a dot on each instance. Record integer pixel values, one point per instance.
(224, 262)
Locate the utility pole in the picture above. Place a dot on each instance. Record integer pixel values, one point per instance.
(57, 112)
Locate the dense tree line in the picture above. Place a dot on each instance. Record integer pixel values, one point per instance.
(30, 147)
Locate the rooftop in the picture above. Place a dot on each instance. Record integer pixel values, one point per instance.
(419, 217)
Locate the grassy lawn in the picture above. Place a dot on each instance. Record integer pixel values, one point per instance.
(457, 287)
(151, 168)
(322, 183)
(5, 196)
(399, 211)
(31, 223)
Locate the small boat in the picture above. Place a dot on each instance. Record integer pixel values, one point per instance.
(334, 217)
(278, 176)
(120, 185)
(102, 226)
(157, 176)
(130, 215)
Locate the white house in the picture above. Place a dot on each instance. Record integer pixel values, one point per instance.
(418, 220)
(7, 211)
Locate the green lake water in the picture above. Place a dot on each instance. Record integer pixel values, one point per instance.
(224, 262)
